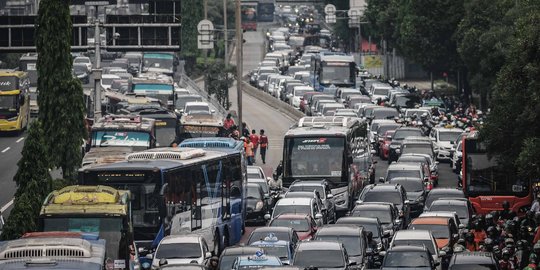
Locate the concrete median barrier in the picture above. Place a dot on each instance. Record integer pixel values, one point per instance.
(271, 101)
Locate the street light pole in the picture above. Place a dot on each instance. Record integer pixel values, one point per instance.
(97, 70)
(239, 43)
(226, 33)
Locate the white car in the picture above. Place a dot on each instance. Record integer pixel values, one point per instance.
(255, 172)
(298, 94)
(197, 107)
(107, 80)
(443, 141)
(83, 60)
(379, 91)
(182, 249)
(456, 157)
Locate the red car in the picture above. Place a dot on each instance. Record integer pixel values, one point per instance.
(385, 144)
(303, 224)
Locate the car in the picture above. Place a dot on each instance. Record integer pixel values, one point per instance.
(297, 206)
(270, 200)
(197, 108)
(398, 137)
(455, 163)
(438, 193)
(322, 255)
(181, 266)
(283, 233)
(271, 245)
(389, 193)
(305, 99)
(307, 194)
(425, 161)
(352, 237)
(304, 225)
(229, 254)
(257, 205)
(379, 91)
(382, 128)
(417, 145)
(256, 261)
(182, 249)
(83, 60)
(80, 71)
(297, 95)
(473, 260)
(447, 214)
(383, 113)
(356, 99)
(384, 148)
(374, 126)
(323, 188)
(370, 224)
(387, 213)
(415, 238)
(415, 191)
(107, 80)
(462, 207)
(408, 257)
(412, 170)
(310, 107)
(445, 230)
(444, 141)
(181, 101)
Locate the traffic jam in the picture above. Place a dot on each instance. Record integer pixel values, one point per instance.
(164, 185)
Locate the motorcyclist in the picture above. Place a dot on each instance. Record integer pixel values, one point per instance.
(506, 262)
(535, 254)
(275, 183)
(459, 246)
(370, 242)
(506, 213)
(470, 243)
(522, 254)
(488, 245)
(529, 220)
(493, 233)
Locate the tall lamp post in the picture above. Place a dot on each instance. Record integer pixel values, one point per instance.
(239, 43)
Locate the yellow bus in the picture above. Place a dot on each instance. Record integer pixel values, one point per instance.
(14, 100)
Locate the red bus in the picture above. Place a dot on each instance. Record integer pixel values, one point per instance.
(249, 16)
(486, 184)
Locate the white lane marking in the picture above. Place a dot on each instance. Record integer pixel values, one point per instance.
(5, 150)
(20, 140)
(6, 206)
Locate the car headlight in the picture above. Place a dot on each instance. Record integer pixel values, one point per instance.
(259, 206)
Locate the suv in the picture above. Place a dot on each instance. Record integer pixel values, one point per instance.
(398, 137)
(370, 224)
(324, 191)
(462, 207)
(472, 260)
(322, 255)
(444, 140)
(387, 213)
(298, 206)
(416, 192)
(412, 257)
(417, 145)
(389, 193)
(353, 238)
(415, 238)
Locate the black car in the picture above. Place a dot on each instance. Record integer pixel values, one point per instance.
(370, 224)
(473, 260)
(416, 192)
(398, 137)
(229, 254)
(257, 206)
(387, 213)
(282, 233)
(352, 237)
(438, 193)
(408, 257)
(389, 193)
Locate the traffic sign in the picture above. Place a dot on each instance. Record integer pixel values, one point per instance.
(330, 9)
(205, 42)
(205, 27)
(330, 18)
(355, 13)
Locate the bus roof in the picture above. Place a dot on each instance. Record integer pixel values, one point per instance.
(321, 125)
(337, 58)
(86, 200)
(212, 143)
(10, 72)
(124, 122)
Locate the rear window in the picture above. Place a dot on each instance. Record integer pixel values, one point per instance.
(473, 267)
(415, 242)
(383, 196)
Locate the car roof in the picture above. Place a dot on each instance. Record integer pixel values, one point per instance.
(180, 239)
(446, 190)
(373, 206)
(449, 201)
(292, 216)
(364, 220)
(408, 248)
(294, 201)
(340, 229)
(475, 257)
(239, 250)
(448, 129)
(319, 245)
(430, 221)
(273, 229)
(412, 234)
(299, 194)
(403, 166)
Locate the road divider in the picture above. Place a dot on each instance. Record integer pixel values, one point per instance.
(271, 101)
(19, 140)
(5, 150)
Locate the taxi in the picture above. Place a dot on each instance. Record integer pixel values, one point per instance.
(256, 261)
(271, 245)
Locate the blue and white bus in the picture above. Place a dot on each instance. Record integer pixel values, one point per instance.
(160, 62)
(180, 191)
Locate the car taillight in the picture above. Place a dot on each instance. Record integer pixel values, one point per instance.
(429, 185)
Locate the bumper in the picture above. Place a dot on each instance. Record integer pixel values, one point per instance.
(9, 125)
(445, 154)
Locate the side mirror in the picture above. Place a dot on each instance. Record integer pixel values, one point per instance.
(442, 253)
(437, 263)
(436, 162)
(212, 111)
(267, 216)
(266, 196)
(373, 151)
(330, 196)
(387, 233)
(407, 202)
(318, 216)
(150, 256)
(208, 255)
(268, 179)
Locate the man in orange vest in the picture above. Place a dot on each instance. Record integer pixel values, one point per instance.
(254, 138)
(248, 146)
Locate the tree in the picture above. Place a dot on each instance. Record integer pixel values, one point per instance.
(382, 18)
(341, 27)
(33, 184)
(61, 105)
(219, 80)
(511, 131)
(425, 34)
(192, 14)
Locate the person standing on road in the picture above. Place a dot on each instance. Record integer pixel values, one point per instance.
(263, 141)
(245, 130)
(228, 123)
(248, 146)
(254, 138)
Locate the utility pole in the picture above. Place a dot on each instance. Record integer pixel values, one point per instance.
(226, 33)
(205, 51)
(239, 44)
(97, 68)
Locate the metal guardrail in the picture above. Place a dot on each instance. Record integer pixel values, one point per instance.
(191, 85)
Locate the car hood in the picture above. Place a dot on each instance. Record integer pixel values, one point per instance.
(106, 155)
(413, 196)
(304, 235)
(442, 242)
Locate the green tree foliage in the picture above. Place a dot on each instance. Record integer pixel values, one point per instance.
(341, 27)
(192, 14)
(511, 131)
(483, 39)
(382, 18)
(426, 28)
(61, 105)
(219, 80)
(33, 184)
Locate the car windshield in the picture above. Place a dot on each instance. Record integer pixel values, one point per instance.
(197, 108)
(352, 244)
(385, 216)
(78, 69)
(299, 225)
(275, 250)
(416, 242)
(408, 101)
(473, 267)
(381, 91)
(253, 192)
(391, 197)
(408, 259)
(461, 210)
(179, 251)
(108, 81)
(433, 196)
(384, 114)
(402, 173)
(410, 185)
(291, 209)
(438, 231)
(258, 235)
(402, 134)
(447, 136)
(319, 258)
(81, 60)
(417, 149)
(226, 261)
(300, 188)
(301, 92)
(384, 128)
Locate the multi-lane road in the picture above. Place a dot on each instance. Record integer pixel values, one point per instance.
(10, 152)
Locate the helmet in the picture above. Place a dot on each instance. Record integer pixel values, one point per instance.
(469, 237)
(461, 241)
(491, 230)
(458, 249)
(214, 258)
(506, 205)
(536, 247)
(506, 253)
(488, 242)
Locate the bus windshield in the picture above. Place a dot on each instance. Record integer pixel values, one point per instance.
(314, 156)
(161, 61)
(165, 131)
(8, 103)
(8, 83)
(335, 73)
(197, 131)
(139, 140)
